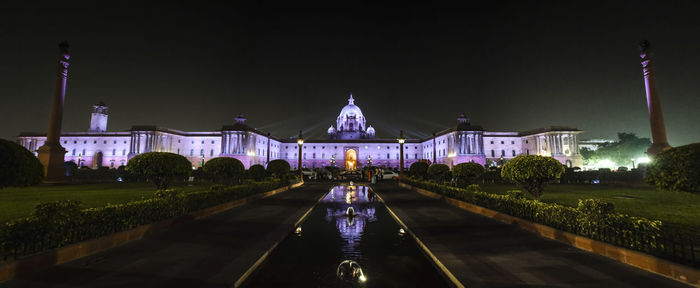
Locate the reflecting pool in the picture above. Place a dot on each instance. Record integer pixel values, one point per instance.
(348, 240)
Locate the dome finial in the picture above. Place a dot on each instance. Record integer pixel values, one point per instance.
(351, 101)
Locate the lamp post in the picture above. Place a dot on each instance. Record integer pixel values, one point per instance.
(369, 160)
(80, 160)
(333, 160)
(401, 140)
(202, 160)
(300, 142)
(632, 163)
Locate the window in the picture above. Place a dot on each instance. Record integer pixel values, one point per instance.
(123, 152)
(526, 141)
(212, 141)
(85, 142)
(202, 141)
(397, 156)
(286, 155)
(512, 142)
(104, 142)
(115, 141)
(65, 142)
(314, 147)
(201, 152)
(415, 156)
(178, 151)
(94, 142)
(335, 147)
(83, 151)
(513, 153)
(304, 155)
(493, 154)
(502, 142)
(73, 152)
(323, 155)
(503, 153)
(75, 142)
(178, 141)
(191, 152)
(528, 151)
(323, 147)
(211, 153)
(125, 142)
(491, 142)
(114, 151)
(313, 155)
(387, 156)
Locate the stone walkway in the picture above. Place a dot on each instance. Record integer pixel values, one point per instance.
(482, 252)
(210, 252)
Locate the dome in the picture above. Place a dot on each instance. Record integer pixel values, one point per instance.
(351, 109)
(331, 130)
(370, 130)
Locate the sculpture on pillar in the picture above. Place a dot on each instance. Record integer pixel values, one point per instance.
(51, 154)
(656, 118)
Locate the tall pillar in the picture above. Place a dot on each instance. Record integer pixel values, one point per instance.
(51, 154)
(656, 118)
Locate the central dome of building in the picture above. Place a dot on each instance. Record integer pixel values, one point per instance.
(350, 123)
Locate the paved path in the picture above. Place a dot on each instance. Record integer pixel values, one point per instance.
(482, 252)
(210, 252)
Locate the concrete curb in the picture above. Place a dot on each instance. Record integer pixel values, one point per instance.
(678, 272)
(10, 270)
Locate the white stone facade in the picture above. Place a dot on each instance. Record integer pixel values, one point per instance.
(463, 143)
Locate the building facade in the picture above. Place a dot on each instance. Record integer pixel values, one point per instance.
(351, 144)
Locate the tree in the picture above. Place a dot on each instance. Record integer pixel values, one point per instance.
(439, 172)
(676, 169)
(418, 169)
(160, 167)
(18, 166)
(532, 172)
(467, 173)
(257, 172)
(278, 168)
(224, 169)
(628, 147)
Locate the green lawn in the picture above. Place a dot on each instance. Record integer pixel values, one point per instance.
(679, 209)
(20, 202)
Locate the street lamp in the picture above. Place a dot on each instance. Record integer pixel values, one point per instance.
(369, 160)
(401, 140)
(333, 160)
(300, 142)
(80, 160)
(632, 163)
(202, 160)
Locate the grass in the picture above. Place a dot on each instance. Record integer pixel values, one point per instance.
(20, 202)
(675, 209)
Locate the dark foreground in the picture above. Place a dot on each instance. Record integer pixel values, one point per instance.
(211, 252)
(482, 252)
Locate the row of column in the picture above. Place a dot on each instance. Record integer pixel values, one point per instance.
(149, 142)
(555, 142)
(233, 143)
(470, 143)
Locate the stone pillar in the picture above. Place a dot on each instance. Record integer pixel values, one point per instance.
(656, 118)
(51, 154)
(434, 150)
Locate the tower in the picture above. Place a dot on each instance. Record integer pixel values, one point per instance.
(656, 117)
(51, 154)
(98, 120)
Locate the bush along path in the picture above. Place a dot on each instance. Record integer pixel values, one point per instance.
(61, 223)
(592, 218)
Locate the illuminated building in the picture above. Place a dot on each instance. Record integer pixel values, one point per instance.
(351, 143)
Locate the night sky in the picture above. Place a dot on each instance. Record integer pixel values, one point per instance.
(286, 67)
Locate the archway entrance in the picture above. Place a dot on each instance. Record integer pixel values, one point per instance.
(350, 159)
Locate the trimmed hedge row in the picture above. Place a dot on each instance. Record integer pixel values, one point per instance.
(57, 224)
(592, 218)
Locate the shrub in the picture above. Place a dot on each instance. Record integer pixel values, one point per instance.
(419, 169)
(676, 169)
(467, 173)
(257, 172)
(439, 172)
(224, 169)
(160, 167)
(18, 166)
(532, 172)
(278, 168)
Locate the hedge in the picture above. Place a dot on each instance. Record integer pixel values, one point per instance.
(676, 169)
(592, 218)
(18, 166)
(57, 224)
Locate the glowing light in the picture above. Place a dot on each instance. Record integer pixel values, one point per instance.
(300, 141)
(401, 141)
(605, 163)
(401, 232)
(643, 160)
(363, 278)
(250, 153)
(298, 231)
(452, 155)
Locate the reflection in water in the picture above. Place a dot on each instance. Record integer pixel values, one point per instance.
(351, 207)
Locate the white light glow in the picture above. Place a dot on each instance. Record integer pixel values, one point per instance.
(605, 163)
(643, 160)
(363, 278)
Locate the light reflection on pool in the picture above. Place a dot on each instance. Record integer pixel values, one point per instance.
(330, 237)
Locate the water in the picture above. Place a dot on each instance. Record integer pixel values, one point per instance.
(371, 238)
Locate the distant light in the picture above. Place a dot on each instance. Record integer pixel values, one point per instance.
(643, 160)
(401, 232)
(298, 231)
(120, 179)
(605, 163)
(452, 155)
(251, 153)
(300, 141)
(363, 278)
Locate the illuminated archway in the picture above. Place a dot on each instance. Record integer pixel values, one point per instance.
(350, 159)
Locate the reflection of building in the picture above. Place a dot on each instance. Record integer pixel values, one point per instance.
(350, 144)
(351, 228)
